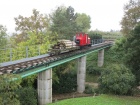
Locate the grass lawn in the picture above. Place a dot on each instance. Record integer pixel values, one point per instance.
(100, 100)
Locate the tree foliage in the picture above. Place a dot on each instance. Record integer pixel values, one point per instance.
(132, 55)
(27, 96)
(67, 83)
(131, 16)
(63, 22)
(33, 36)
(31, 47)
(8, 88)
(3, 36)
(64, 78)
(36, 23)
(116, 79)
(83, 22)
(95, 35)
(118, 49)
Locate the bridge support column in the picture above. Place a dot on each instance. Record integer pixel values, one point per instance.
(100, 58)
(81, 74)
(45, 87)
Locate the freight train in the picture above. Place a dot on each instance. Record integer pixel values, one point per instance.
(80, 40)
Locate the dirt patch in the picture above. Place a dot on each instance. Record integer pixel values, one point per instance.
(69, 95)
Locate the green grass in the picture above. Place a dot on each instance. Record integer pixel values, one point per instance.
(100, 100)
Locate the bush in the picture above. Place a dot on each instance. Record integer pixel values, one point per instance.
(88, 89)
(94, 70)
(8, 86)
(67, 83)
(30, 81)
(116, 79)
(27, 96)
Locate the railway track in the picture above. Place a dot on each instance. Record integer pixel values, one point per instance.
(24, 66)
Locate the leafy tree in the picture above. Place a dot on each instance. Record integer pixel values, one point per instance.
(58, 20)
(67, 83)
(95, 35)
(3, 36)
(29, 81)
(116, 79)
(64, 78)
(33, 45)
(131, 16)
(44, 38)
(8, 88)
(27, 96)
(83, 22)
(118, 49)
(36, 23)
(64, 22)
(132, 55)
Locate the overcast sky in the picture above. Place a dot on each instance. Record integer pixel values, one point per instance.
(105, 14)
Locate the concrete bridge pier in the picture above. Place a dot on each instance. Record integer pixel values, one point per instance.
(81, 74)
(45, 87)
(100, 58)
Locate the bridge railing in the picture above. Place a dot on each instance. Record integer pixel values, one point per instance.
(11, 54)
(96, 41)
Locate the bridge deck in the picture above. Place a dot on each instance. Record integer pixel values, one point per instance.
(26, 59)
(39, 63)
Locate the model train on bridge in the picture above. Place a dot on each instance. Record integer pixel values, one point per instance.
(80, 40)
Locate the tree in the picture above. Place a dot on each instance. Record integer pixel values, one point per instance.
(3, 36)
(95, 35)
(33, 45)
(64, 22)
(83, 22)
(8, 88)
(131, 16)
(132, 55)
(116, 79)
(36, 23)
(64, 79)
(27, 96)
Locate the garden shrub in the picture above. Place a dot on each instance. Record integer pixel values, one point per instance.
(8, 86)
(30, 81)
(88, 89)
(116, 79)
(94, 70)
(27, 96)
(67, 83)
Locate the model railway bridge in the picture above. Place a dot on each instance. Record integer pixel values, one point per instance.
(43, 66)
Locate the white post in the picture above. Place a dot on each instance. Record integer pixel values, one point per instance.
(81, 74)
(100, 58)
(45, 87)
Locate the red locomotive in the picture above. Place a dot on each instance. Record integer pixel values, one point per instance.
(80, 40)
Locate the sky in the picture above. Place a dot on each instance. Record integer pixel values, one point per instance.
(105, 14)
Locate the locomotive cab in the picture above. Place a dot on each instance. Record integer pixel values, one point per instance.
(82, 39)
